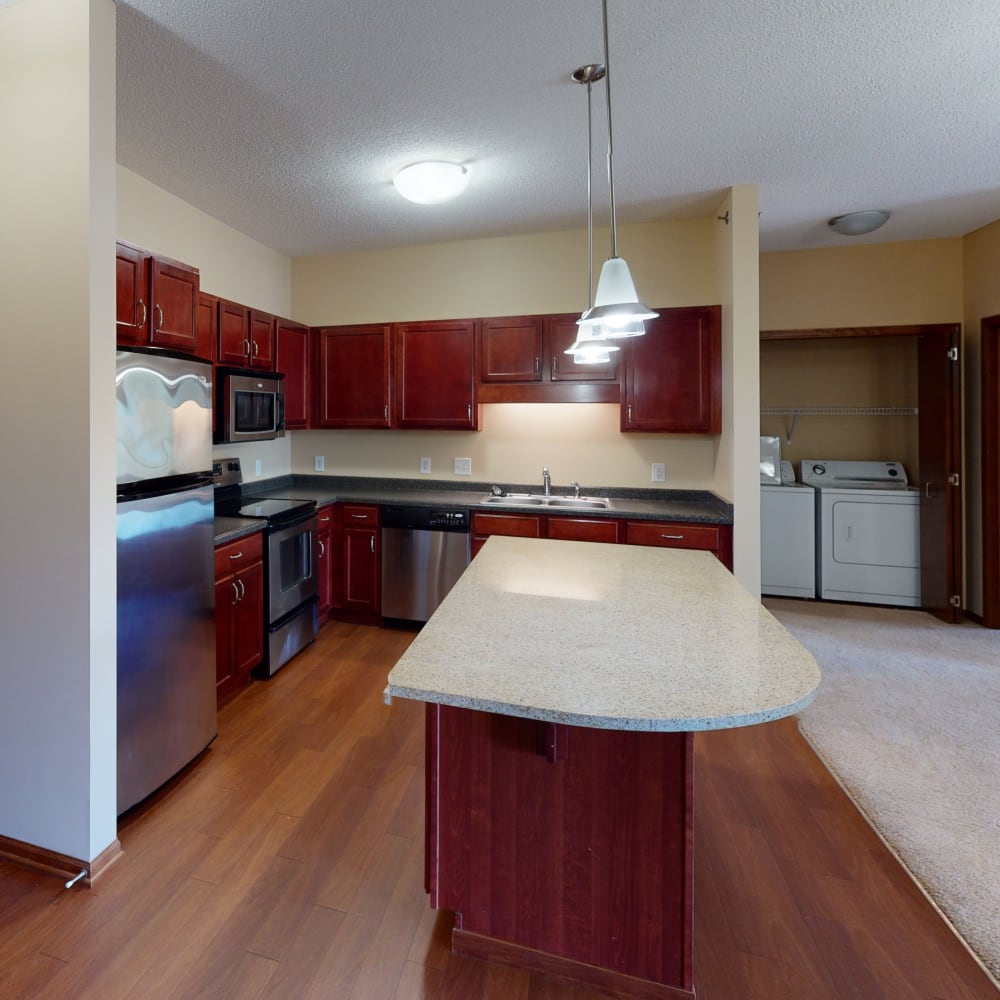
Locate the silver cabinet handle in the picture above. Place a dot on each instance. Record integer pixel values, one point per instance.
(142, 322)
(538, 366)
(555, 367)
(360, 517)
(256, 348)
(246, 347)
(236, 594)
(673, 538)
(468, 412)
(327, 518)
(371, 544)
(385, 413)
(243, 589)
(159, 312)
(237, 555)
(322, 547)
(629, 417)
(927, 490)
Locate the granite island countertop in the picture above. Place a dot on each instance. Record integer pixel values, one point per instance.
(608, 637)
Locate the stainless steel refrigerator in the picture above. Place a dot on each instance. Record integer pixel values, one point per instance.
(166, 591)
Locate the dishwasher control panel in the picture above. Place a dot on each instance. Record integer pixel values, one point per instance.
(425, 518)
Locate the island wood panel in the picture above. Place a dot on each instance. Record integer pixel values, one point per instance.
(563, 847)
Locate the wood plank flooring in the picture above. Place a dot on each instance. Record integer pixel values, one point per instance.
(287, 862)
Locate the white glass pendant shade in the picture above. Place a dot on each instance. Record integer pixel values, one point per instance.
(616, 303)
(431, 182)
(636, 329)
(590, 348)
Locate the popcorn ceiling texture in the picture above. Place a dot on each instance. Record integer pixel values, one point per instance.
(287, 121)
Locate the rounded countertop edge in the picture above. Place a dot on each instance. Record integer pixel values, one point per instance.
(623, 723)
(229, 529)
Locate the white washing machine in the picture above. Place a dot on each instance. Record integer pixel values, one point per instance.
(867, 532)
(787, 537)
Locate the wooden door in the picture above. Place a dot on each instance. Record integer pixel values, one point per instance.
(234, 334)
(205, 326)
(435, 375)
(132, 287)
(353, 376)
(562, 331)
(990, 408)
(939, 397)
(361, 571)
(248, 622)
(174, 295)
(511, 349)
(262, 340)
(292, 360)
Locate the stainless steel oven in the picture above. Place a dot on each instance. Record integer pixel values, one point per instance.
(249, 406)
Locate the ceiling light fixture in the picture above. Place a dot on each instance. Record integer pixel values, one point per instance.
(590, 347)
(859, 223)
(431, 181)
(616, 304)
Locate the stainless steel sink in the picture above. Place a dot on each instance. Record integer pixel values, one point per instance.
(537, 500)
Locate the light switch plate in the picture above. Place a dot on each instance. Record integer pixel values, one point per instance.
(463, 466)
(659, 472)
(425, 464)
(319, 462)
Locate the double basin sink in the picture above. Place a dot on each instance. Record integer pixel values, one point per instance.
(539, 500)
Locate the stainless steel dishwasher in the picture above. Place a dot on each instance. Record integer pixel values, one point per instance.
(424, 551)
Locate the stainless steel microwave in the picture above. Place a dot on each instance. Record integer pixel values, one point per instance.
(250, 406)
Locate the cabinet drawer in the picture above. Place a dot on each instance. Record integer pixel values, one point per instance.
(584, 529)
(355, 515)
(517, 525)
(234, 555)
(673, 535)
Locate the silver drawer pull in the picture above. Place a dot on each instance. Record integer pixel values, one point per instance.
(674, 538)
(236, 555)
(327, 518)
(371, 543)
(360, 517)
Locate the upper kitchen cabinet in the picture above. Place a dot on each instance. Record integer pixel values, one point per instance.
(246, 337)
(292, 359)
(523, 360)
(157, 300)
(353, 375)
(435, 375)
(206, 325)
(672, 377)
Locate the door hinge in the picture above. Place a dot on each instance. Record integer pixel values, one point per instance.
(953, 479)
(955, 600)
(953, 354)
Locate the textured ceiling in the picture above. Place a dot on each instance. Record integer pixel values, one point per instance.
(288, 120)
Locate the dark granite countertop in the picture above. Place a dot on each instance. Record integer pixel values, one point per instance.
(228, 529)
(695, 506)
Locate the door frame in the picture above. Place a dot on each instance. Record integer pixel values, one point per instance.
(989, 356)
(956, 563)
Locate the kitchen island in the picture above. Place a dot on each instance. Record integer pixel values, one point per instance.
(564, 682)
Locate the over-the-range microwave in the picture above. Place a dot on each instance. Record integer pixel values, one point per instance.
(249, 405)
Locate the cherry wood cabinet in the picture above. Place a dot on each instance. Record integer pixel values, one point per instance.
(672, 377)
(516, 525)
(584, 529)
(239, 612)
(206, 325)
(353, 376)
(716, 538)
(362, 552)
(292, 349)
(522, 359)
(434, 375)
(156, 302)
(246, 336)
(330, 536)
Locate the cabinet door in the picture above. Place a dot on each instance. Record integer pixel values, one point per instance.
(511, 349)
(174, 295)
(584, 529)
(516, 525)
(716, 538)
(234, 334)
(561, 332)
(262, 340)
(331, 541)
(227, 596)
(361, 569)
(435, 375)
(672, 377)
(248, 622)
(292, 360)
(353, 378)
(132, 288)
(205, 326)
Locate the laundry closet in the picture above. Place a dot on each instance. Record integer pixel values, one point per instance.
(873, 412)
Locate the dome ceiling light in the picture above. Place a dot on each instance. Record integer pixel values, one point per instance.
(859, 223)
(431, 181)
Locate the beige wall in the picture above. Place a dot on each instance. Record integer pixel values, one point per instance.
(873, 284)
(982, 299)
(673, 263)
(57, 617)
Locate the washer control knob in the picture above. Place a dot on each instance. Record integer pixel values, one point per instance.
(818, 470)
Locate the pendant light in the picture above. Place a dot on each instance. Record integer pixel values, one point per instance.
(616, 305)
(590, 347)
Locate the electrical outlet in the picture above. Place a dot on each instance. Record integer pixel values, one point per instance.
(659, 473)
(256, 467)
(319, 462)
(425, 464)
(463, 466)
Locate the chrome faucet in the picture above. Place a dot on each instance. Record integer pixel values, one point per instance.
(576, 489)
(546, 481)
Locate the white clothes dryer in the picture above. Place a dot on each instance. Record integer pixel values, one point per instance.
(867, 532)
(787, 537)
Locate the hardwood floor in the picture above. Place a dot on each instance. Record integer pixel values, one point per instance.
(288, 863)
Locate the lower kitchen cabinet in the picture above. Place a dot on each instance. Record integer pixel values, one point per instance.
(716, 538)
(331, 542)
(362, 553)
(584, 529)
(239, 612)
(516, 525)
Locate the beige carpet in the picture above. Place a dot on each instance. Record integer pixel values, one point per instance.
(908, 719)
